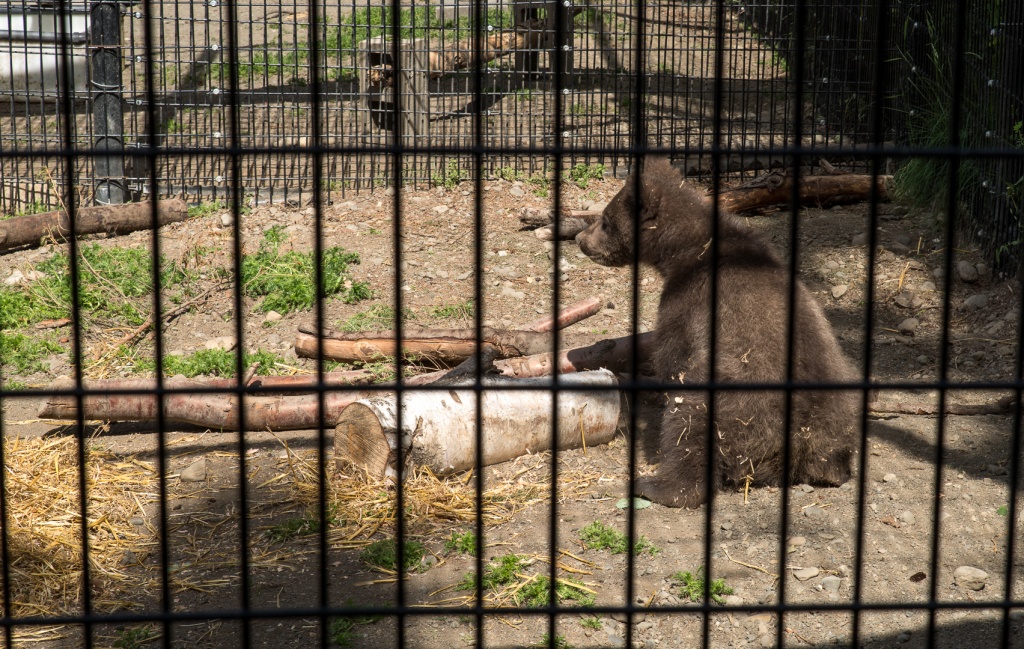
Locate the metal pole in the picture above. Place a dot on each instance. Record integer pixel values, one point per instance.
(107, 107)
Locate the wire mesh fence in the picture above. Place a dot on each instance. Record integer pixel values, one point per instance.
(359, 173)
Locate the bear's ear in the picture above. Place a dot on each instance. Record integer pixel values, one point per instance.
(656, 170)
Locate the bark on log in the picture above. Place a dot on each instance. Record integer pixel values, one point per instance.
(568, 316)
(446, 346)
(111, 219)
(438, 428)
(777, 189)
(214, 411)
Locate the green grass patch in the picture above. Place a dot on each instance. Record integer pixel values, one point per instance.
(378, 317)
(135, 637)
(462, 310)
(582, 174)
(213, 362)
(24, 354)
(35, 207)
(463, 543)
(598, 536)
(593, 623)
(342, 629)
(383, 554)
(559, 643)
(691, 586)
(537, 593)
(111, 281)
(285, 279)
(305, 525)
(501, 572)
(452, 175)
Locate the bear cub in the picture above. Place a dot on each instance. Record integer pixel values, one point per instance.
(675, 230)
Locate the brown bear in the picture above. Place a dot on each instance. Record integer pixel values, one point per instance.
(675, 230)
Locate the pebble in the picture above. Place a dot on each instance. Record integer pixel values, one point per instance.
(928, 286)
(797, 541)
(889, 477)
(831, 264)
(511, 292)
(733, 600)
(923, 360)
(939, 272)
(226, 343)
(195, 472)
(429, 561)
(226, 220)
(839, 291)
(907, 518)
(272, 316)
(967, 272)
(860, 239)
(814, 511)
(441, 209)
(904, 636)
(804, 574)
(831, 583)
(902, 239)
(517, 191)
(908, 300)
(465, 275)
(643, 626)
(274, 340)
(977, 301)
(981, 268)
(970, 577)
(650, 643)
(616, 640)
(767, 640)
(908, 326)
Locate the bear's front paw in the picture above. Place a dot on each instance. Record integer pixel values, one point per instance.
(670, 493)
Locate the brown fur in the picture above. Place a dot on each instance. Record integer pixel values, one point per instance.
(753, 293)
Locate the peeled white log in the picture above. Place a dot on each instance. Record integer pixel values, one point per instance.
(438, 428)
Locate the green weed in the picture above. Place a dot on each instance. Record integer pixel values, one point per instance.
(559, 643)
(378, 317)
(451, 177)
(206, 209)
(285, 280)
(598, 536)
(464, 543)
(305, 525)
(582, 174)
(592, 623)
(691, 586)
(24, 354)
(35, 207)
(462, 310)
(383, 554)
(135, 637)
(497, 573)
(342, 629)
(213, 362)
(537, 593)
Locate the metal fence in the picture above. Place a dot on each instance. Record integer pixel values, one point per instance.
(295, 105)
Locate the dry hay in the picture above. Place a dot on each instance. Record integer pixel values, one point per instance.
(43, 526)
(361, 508)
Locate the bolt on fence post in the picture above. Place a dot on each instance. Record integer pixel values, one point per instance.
(105, 94)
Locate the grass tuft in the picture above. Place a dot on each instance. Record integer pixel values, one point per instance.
(598, 536)
(691, 586)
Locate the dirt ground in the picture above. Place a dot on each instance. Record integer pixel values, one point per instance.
(820, 564)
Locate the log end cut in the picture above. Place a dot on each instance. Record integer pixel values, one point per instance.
(360, 441)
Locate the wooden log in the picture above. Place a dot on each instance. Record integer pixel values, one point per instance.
(214, 411)
(112, 219)
(448, 346)
(438, 428)
(776, 188)
(568, 316)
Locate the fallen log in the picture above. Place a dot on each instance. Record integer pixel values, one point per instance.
(776, 188)
(213, 411)
(615, 354)
(568, 316)
(111, 219)
(885, 407)
(437, 345)
(439, 428)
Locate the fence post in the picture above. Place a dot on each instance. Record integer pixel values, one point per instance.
(105, 94)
